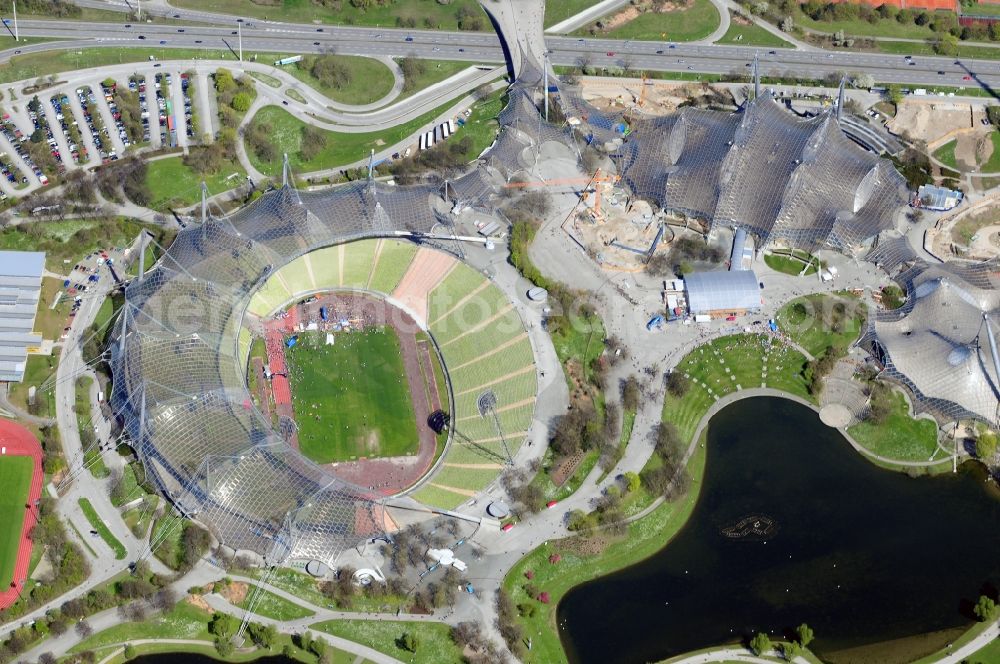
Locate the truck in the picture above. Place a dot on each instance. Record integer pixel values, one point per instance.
(702, 318)
(655, 323)
(288, 61)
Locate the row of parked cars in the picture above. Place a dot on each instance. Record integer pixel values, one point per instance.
(185, 85)
(41, 123)
(77, 152)
(16, 138)
(92, 116)
(116, 114)
(137, 84)
(160, 85)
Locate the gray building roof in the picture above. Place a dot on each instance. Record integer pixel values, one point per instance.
(22, 264)
(737, 290)
(20, 288)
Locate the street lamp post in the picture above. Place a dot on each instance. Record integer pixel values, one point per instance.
(239, 29)
(16, 34)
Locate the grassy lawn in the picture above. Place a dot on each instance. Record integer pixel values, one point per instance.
(695, 22)
(368, 79)
(751, 35)
(66, 242)
(482, 124)
(785, 263)
(38, 369)
(900, 437)
(744, 357)
(102, 529)
(50, 322)
(556, 12)
(264, 78)
(351, 399)
(15, 478)
(184, 621)
(993, 163)
(817, 321)
(580, 340)
(946, 154)
(173, 184)
(341, 148)
(644, 538)
(859, 27)
(434, 71)
(434, 639)
(270, 605)
(305, 11)
(913, 48)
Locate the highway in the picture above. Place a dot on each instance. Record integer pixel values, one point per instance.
(484, 47)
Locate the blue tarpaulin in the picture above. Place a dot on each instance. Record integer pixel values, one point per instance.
(292, 341)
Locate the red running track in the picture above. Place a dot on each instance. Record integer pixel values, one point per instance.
(21, 442)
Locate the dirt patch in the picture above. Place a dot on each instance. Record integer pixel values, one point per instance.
(586, 546)
(234, 593)
(565, 468)
(633, 11)
(199, 602)
(930, 121)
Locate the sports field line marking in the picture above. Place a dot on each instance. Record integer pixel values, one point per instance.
(510, 406)
(480, 358)
(512, 374)
(309, 271)
(461, 302)
(284, 284)
(476, 328)
(474, 466)
(496, 439)
(374, 266)
(461, 492)
(340, 264)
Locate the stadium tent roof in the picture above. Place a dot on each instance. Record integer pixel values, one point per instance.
(938, 344)
(736, 290)
(20, 287)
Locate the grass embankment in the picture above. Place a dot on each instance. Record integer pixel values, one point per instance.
(359, 80)
(946, 154)
(174, 184)
(687, 24)
(792, 262)
(556, 12)
(432, 71)
(92, 458)
(102, 529)
(576, 564)
(434, 639)
(65, 242)
(45, 63)
(50, 320)
(748, 365)
(819, 321)
(741, 34)
(269, 605)
(351, 399)
(15, 478)
(340, 149)
(899, 437)
(395, 14)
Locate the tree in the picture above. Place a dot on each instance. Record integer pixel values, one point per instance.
(83, 628)
(630, 393)
(222, 625)
(632, 482)
(805, 634)
(895, 95)
(946, 45)
(791, 650)
(677, 384)
(129, 651)
(986, 609)
(760, 644)
(986, 444)
(787, 24)
(241, 102)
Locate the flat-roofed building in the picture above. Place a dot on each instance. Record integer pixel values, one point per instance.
(722, 293)
(20, 288)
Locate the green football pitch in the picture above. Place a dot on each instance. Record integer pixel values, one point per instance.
(15, 480)
(351, 399)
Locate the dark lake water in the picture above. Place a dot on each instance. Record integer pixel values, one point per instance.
(192, 658)
(861, 554)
